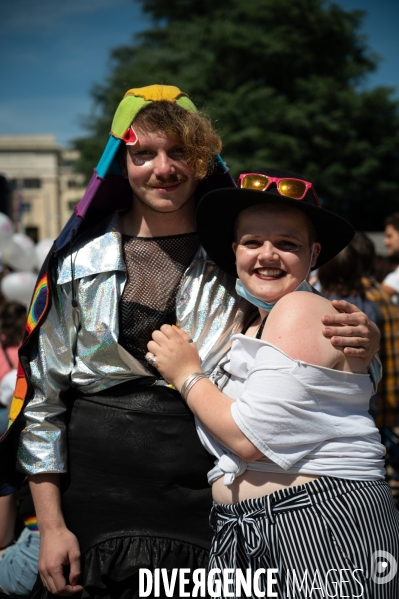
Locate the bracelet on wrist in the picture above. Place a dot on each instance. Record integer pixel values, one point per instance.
(190, 382)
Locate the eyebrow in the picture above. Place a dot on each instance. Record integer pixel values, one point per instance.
(289, 235)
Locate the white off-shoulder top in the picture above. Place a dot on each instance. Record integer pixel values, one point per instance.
(304, 418)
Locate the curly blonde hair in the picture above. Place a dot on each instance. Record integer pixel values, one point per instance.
(193, 130)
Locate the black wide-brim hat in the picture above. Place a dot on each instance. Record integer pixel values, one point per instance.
(217, 212)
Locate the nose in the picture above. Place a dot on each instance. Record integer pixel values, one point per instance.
(268, 252)
(163, 165)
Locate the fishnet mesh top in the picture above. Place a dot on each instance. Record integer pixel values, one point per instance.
(155, 266)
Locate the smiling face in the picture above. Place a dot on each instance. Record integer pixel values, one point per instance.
(158, 173)
(273, 250)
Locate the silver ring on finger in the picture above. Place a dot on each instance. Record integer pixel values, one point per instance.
(151, 359)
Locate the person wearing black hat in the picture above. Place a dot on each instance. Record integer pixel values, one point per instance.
(298, 483)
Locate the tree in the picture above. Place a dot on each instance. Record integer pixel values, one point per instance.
(281, 79)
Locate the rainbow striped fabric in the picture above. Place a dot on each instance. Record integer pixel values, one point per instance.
(38, 305)
(31, 523)
(37, 310)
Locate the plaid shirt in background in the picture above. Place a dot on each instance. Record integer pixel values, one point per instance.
(388, 388)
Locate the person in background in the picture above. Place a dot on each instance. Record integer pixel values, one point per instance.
(18, 558)
(386, 411)
(341, 279)
(382, 267)
(391, 241)
(12, 323)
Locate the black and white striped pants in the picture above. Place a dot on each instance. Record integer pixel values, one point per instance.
(328, 538)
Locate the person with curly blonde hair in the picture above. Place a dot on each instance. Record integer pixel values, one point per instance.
(117, 473)
(194, 130)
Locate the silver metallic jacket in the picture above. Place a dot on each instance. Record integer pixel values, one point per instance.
(78, 346)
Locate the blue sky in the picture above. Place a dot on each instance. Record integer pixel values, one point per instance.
(54, 52)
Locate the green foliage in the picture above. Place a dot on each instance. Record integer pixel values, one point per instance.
(281, 80)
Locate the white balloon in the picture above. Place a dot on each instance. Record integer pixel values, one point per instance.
(6, 227)
(24, 241)
(19, 287)
(41, 251)
(19, 252)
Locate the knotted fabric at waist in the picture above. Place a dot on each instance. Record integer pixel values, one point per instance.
(250, 519)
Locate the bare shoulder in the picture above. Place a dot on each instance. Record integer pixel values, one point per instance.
(294, 325)
(300, 306)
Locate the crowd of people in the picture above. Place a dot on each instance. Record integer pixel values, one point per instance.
(19, 534)
(178, 367)
(367, 280)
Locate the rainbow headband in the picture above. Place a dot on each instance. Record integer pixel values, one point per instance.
(133, 101)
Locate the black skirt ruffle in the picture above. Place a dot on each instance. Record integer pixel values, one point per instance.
(110, 570)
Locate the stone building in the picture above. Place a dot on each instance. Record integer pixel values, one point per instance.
(45, 187)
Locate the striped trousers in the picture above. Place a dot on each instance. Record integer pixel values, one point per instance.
(328, 538)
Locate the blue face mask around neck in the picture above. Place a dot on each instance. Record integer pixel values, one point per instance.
(267, 306)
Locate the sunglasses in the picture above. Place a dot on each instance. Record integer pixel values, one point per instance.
(287, 186)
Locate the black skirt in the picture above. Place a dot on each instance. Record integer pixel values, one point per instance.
(136, 494)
